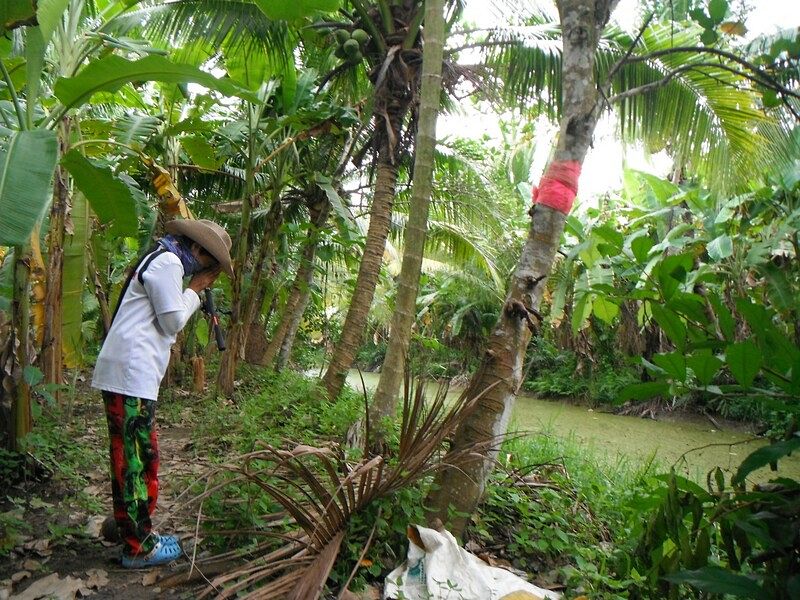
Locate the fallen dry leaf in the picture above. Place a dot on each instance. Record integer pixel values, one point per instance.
(40, 547)
(94, 526)
(52, 587)
(19, 576)
(96, 578)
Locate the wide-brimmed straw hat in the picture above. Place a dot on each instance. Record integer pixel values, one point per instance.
(212, 237)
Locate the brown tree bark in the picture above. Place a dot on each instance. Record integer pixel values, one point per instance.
(353, 330)
(51, 358)
(16, 391)
(385, 401)
(253, 298)
(500, 374)
(282, 341)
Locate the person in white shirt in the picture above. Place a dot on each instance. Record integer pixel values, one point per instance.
(152, 309)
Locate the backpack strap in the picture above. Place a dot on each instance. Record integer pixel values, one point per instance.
(140, 267)
(146, 264)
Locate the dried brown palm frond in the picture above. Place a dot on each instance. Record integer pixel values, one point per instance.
(320, 492)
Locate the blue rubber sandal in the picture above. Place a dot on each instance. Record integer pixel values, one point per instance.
(162, 554)
(170, 540)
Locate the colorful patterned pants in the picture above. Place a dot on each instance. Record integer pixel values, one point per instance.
(134, 468)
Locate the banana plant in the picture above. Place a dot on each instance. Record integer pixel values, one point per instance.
(36, 100)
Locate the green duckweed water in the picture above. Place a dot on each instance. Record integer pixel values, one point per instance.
(693, 445)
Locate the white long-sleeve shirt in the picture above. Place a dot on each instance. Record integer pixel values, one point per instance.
(135, 354)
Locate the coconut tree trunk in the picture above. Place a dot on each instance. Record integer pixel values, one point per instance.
(385, 401)
(283, 339)
(379, 220)
(498, 378)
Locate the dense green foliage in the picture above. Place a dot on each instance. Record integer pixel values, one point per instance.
(675, 292)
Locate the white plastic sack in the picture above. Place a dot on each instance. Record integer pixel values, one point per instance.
(442, 570)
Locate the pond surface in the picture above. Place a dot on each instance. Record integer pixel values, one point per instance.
(692, 443)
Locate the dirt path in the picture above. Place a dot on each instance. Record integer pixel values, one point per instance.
(62, 553)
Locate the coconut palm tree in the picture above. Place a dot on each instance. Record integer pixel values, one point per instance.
(705, 110)
(385, 402)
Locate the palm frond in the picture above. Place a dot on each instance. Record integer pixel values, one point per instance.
(230, 23)
(320, 492)
(524, 63)
(135, 129)
(706, 115)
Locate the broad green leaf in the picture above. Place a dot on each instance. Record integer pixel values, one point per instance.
(48, 13)
(717, 9)
(704, 365)
(673, 363)
(520, 165)
(32, 375)
(663, 189)
(708, 37)
(716, 580)
(689, 305)
(744, 361)
(642, 391)
(765, 456)
(202, 333)
(574, 226)
(671, 324)
(75, 266)
(338, 204)
(604, 309)
(589, 253)
(112, 72)
(610, 235)
(720, 247)
(13, 12)
(641, 247)
(248, 65)
(724, 317)
(35, 46)
(295, 9)
(581, 311)
(201, 152)
(26, 170)
(757, 316)
(108, 196)
(672, 271)
(135, 129)
(781, 291)
(699, 15)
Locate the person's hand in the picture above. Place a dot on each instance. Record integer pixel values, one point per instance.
(205, 278)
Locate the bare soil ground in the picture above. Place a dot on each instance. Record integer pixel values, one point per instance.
(62, 553)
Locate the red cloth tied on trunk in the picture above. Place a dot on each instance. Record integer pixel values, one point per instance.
(558, 186)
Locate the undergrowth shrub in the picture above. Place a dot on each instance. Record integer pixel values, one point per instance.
(558, 511)
(557, 373)
(275, 407)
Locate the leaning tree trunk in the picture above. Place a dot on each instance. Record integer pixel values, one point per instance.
(379, 220)
(252, 301)
(497, 380)
(385, 402)
(299, 293)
